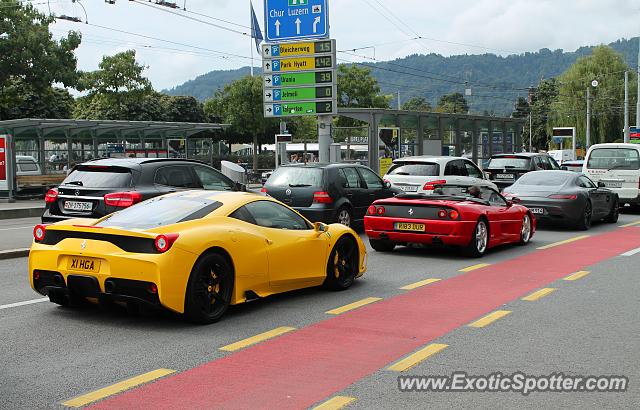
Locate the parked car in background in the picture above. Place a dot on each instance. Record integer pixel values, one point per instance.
(565, 197)
(574, 166)
(98, 188)
(617, 166)
(328, 192)
(424, 173)
(505, 169)
(27, 165)
(265, 176)
(562, 155)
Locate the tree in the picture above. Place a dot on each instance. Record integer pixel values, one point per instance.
(240, 104)
(182, 109)
(358, 88)
(542, 106)
(607, 67)
(454, 103)
(417, 104)
(31, 61)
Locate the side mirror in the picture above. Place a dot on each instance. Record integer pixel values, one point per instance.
(387, 185)
(320, 227)
(601, 184)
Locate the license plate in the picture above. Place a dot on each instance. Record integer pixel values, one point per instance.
(408, 188)
(504, 176)
(537, 211)
(77, 206)
(409, 226)
(613, 184)
(83, 264)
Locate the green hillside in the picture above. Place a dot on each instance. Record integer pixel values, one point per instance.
(495, 81)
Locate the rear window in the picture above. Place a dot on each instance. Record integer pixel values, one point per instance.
(421, 169)
(99, 177)
(510, 162)
(296, 176)
(161, 211)
(27, 166)
(614, 158)
(544, 179)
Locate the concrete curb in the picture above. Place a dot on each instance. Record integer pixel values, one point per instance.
(14, 213)
(14, 253)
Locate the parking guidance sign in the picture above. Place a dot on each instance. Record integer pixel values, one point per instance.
(289, 20)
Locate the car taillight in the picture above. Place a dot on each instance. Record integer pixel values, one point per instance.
(263, 190)
(442, 214)
(122, 199)
(322, 197)
(380, 210)
(164, 242)
(371, 210)
(561, 196)
(39, 232)
(431, 185)
(51, 196)
(453, 214)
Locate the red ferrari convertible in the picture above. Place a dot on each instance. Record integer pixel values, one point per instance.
(476, 218)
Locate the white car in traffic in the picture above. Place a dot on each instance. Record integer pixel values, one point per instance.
(424, 173)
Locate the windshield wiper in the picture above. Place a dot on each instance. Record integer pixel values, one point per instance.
(299, 185)
(402, 173)
(78, 183)
(617, 166)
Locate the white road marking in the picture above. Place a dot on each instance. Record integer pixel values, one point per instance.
(27, 302)
(631, 252)
(17, 227)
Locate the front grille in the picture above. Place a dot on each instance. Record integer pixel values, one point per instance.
(126, 243)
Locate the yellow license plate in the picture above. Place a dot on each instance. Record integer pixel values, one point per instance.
(409, 226)
(83, 264)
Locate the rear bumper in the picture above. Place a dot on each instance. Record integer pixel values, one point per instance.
(326, 215)
(121, 275)
(454, 233)
(556, 211)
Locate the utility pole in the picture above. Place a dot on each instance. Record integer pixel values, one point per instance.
(588, 141)
(626, 107)
(530, 130)
(399, 105)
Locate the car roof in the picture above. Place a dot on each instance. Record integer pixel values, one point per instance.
(615, 145)
(554, 172)
(321, 165)
(440, 159)
(137, 162)
(520, 154)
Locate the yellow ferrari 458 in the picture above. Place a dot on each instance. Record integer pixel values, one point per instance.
(193, 252)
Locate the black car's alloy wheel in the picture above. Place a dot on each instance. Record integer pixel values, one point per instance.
(343, 216)
(585, 221)
(342, 266)
(614, 214)
(209, 290)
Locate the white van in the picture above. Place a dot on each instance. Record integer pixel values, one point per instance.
(618, 167)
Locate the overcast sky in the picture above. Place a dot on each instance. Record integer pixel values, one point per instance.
(447, 27)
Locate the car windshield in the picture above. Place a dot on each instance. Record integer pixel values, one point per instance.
(454, 193)
(614, 158)
(161, 211)
(99, 177)
(544, 179)
(296, 176)
(510, 162)
(421, 169)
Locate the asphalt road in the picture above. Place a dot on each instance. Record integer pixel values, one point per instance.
(589, 326)
(16, 233)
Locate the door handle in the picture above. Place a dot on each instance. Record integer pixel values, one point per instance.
(349, 195)
(268, 241)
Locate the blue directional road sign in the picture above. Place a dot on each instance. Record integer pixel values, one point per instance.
(287, 20)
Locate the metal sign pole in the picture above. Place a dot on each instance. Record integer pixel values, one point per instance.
(11, 167)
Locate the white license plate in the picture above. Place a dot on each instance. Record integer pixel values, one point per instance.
(613, 184)
(504, 176)
(537, 211)
(408, 188)
(77, 206)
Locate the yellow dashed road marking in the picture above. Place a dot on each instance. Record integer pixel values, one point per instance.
(538, 294)
(419, 284)
(417, 357)
(352, 306)
(577, 275)
(553, 245)
(335, 403)
(630, 224)
(257, 339)
(116, 388)
(474, 267)
(490, 318)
